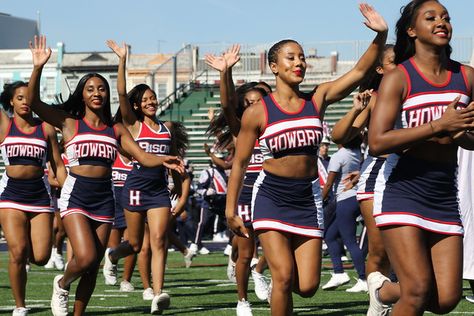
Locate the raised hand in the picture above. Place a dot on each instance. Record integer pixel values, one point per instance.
(121, 52)
(216, 62)
(174, 163)
(39, 51)
(374, 20)
(361, 100)
(232, 55)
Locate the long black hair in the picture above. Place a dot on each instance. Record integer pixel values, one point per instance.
(405, 45)
(373, 80)
(8, 92)
(219, 127)
(75, 105)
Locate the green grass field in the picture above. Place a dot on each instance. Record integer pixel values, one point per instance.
(201, 290)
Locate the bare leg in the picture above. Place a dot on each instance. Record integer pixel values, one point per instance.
(144, 260)
(242, 267)
(158, 220)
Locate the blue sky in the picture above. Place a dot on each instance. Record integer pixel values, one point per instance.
(152, 25)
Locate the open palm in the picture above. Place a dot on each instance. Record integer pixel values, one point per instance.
(374, 20)
(39, 51)
(216, 62)
(232, 55)
(120, 51)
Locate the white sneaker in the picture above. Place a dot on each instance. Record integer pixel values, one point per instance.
(193, 247)
(244, 308)
(337, 279)
(60, 298)
(261, 286)
(231, 271)
(344, 259)
(360, 286)
(253, 263)
(20, 311)
(375, 281)
(204, 251)
(228, 250)
(28, 267)
(270, 287)
(110, 270)
(188, 257)
(470, 298)
(58, 260)
(160, 303)
(148, 294)
(126, 286)
(50, 264)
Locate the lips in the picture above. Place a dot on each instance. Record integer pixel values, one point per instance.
(97, 102)
(299, 73)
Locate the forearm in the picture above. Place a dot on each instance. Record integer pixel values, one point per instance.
(398, 140)
(466, 141)
(121, 78)
(344, 130)
(371, 55)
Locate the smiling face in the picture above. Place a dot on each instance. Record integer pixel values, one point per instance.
(19, 101)
(251, 97)
(148, 104)
(95, 93)
(290, 64)
(431, 25)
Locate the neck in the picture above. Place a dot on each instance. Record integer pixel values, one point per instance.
(286, 93)
(433, 60)
(95, 119)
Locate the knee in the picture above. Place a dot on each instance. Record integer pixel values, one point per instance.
(85, 261)
(136, 245)
(417, 294)
(18, 254)
(446, 304)
(245, 257)
(282, 282)
(158, 239)
(308, 291)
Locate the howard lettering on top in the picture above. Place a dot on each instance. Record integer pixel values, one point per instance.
(90, 149)
(23, 150)
(295, 139)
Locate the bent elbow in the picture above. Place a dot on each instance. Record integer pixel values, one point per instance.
(374, 148)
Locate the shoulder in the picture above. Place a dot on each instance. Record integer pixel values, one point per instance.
(469, 73)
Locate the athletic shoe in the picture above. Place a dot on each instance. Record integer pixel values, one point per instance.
(243, 308)
(470, 298)
(60, 298)
(344, 259)
(231, 271)
(148, 294)
(228, 250)
(58, 260)
(20, 311)
(193, 247)
(28, 267)
(270, 287)
(253, 263)
(50, 264)
(261, 286)
(110, 270)
(337, 279)
(126, 286)
(375, 281)
(160, 303)
(204, 251)
(360, 286)
(188, 257)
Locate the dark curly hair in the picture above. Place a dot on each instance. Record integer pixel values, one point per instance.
(8, 93)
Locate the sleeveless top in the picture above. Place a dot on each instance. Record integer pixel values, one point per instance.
(20, 148)
(153, 142)
(91, 146)
(120, 171)
(290, 133)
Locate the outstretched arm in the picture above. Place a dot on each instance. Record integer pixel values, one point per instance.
(338, 89)
(145, 159)
(228, 97)
(353, 121)
(41, 54)
(129, 118)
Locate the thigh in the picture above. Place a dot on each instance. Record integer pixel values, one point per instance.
(15, 227)
(158, 220)
(278, 253)
(81, 235)
(102, 233)
(41, 226)
(308, 260)
(135, 226)
(446, 256)
(375, 237)
(408, 252)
